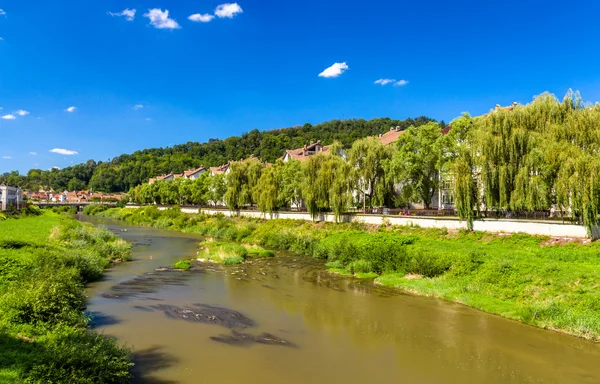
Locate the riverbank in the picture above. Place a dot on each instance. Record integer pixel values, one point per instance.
(45, 261)
(520, 277)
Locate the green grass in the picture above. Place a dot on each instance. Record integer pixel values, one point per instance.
(183, 264)
(513, 276)
(45, 261)
(222, 252)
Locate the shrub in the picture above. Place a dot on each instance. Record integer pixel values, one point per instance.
(229, 260)
(360, 266)
(94, 209)
(183, 264)
(51, 296)
(69, 355)
(266, 253)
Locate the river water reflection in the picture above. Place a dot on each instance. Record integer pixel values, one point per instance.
(344, 330)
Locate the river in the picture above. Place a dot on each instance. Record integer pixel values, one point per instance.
(332, 329)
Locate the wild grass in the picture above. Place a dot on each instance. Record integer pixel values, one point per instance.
(513, 276)
(44, 337)
(222, 252)
(183, 264)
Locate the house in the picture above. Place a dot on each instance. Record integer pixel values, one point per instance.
(169, 176)
(58, 198)
(40, 196)
(390, 136)
(302, 154)
(177, 175)
(10, 197)
(193, 174)
(220, 170)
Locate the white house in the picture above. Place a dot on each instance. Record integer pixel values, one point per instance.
(59, 197)
(194, 173)
(223, 169)
(302, 154)
(10, 196)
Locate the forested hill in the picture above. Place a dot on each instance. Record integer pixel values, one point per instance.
(126, 171)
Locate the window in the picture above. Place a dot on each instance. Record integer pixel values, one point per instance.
(447, 198)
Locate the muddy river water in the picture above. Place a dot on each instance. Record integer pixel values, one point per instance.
(284, 320)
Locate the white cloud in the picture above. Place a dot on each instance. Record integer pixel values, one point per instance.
(160, 19)
(62, 151)
(201, 18)
(33, 153)
(138, 106)
(2, 12)
(6, 157)
(70, 109)
(128, 13)
(148, 119)
(55, 167)
(9, 117)
(1, 38)
(228, 10)
(21, 112)
(400, 83)
(335, 70)
(384, 81)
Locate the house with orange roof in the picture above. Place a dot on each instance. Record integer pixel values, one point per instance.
(220, 170)
(193, 174)
(302, 154)
(390, 136)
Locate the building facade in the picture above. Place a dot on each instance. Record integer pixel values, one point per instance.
(10, 197)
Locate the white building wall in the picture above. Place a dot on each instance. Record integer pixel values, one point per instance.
(10, 196)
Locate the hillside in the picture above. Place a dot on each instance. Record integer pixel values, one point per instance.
(129, 170)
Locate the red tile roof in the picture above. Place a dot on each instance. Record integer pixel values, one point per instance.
(193, 171)
(301, 154)
(220, 169)
(390, 136)
(446, 130)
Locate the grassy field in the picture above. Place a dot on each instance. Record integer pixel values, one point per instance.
(45, 260)
(521, 277)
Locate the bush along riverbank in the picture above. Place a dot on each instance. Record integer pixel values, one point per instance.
(45, 261)
(520, 277)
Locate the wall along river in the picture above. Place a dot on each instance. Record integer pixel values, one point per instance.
(285, 320)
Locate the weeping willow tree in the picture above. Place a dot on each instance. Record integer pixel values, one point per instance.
(242, 182)
(326, 183)
(536, 157)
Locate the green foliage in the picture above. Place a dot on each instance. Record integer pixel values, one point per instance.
(536, 156)
(230, 260)
(223, 252)
(44, 261)
(183, 264)
(417, 161)
(243, 183)
(369, 159)
(326, 184)
(94, 209)
(47, 297)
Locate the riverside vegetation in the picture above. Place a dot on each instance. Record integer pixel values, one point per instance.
(520, 277)
(525, 158)
(45, 261)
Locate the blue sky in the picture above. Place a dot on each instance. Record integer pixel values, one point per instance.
(256, 64)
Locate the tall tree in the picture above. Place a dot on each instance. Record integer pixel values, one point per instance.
(416, 161)
(367, 159)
